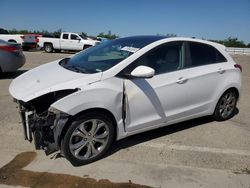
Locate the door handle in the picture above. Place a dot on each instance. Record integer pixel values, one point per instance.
(221, 71)
(182, 80)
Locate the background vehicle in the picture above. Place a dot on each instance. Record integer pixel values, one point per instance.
(27, 41)
(67, 41)
(11, 57)
(123, 87)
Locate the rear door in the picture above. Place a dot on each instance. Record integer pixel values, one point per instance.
(205, 69)
(65, 42)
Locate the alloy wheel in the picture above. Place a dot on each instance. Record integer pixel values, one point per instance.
(89, 139)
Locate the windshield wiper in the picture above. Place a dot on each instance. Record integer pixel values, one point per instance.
(74, 68)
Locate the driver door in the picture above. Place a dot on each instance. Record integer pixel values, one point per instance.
(152, 102)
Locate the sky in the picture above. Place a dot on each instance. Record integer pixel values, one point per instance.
(209, 19)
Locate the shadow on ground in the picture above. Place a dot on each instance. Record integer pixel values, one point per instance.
(157, 133)
(12, 75)
(13, 174)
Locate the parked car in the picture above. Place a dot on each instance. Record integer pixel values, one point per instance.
(123, 87)
(27, 41)
(11, 57)
(67, 41)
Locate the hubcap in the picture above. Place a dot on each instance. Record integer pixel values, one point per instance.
(89, 139)
(48, 48)
(227, 105)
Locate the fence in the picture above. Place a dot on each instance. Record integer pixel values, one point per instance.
(241, 51)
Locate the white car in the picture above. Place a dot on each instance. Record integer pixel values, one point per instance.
(122, 87)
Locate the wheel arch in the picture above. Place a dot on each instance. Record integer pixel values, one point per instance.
(223, 92)
(48, 43)
(12, 40)
(88, 111)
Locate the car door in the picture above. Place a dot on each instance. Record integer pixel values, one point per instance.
(75, 42)
(162, 98)
(205, 68)
(65, 42)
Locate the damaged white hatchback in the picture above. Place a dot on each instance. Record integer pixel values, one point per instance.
(79, 105)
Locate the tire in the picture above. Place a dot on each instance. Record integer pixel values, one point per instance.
(226, 106)
(48, 48)
(87, 138)
(86, 46)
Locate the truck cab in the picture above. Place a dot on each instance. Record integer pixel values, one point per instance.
(74, 41)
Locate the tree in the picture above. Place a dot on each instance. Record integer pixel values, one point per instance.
(107, 36)
(231, 42)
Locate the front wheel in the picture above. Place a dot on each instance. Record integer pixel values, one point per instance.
(87, 139)
(226, 106)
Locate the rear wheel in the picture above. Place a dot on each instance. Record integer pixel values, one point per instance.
(87, 139)
(226, 106)
(48, 48)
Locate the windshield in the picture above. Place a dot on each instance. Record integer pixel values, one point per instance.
(106, 55)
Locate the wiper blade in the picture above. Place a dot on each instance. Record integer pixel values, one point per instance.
(76, 69)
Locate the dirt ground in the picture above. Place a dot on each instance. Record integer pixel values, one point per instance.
(197, 153)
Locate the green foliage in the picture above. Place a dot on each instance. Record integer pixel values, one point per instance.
(232, 42)
(107, 36)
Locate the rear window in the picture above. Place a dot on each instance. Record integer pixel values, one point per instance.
(203, 54)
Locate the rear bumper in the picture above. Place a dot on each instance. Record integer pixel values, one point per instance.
(13, 62)
(29, 45)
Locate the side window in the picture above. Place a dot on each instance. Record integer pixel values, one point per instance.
(65, 36)
(203, 54)
(73, 37)
(166, 58)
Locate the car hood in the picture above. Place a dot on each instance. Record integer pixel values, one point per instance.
(48, 78)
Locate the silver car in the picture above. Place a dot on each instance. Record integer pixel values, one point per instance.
(11, 57)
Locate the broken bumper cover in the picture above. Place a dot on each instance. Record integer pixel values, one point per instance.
(45, 131)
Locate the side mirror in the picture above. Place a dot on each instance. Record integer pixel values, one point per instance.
(143, 72)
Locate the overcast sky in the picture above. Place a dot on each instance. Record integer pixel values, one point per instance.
(210, 19)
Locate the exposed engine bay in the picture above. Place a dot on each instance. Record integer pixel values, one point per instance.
(42, 123)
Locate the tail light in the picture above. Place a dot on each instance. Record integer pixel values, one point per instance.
(238, 67)
(9, 48)
(37, 39)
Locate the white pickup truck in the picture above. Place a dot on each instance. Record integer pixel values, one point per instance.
(67, 41)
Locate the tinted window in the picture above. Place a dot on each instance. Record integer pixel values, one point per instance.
(65, 36)
(166, 58)
(73, 37)
(203, 54)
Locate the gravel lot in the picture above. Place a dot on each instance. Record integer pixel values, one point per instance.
(197, 153)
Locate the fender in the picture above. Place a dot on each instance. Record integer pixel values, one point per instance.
(108, 95)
